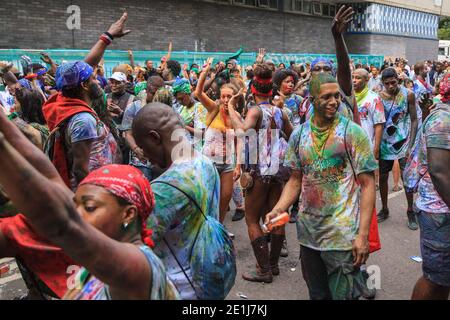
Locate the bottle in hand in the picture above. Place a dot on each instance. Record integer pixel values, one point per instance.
(279, 221)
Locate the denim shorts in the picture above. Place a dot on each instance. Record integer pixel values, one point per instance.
(224, 168)
(435, 246)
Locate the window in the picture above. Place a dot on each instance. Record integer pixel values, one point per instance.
(325, 9)
(306, 7)
(297, 5)
(273, 4)
(246, 2)
(333, 10)
(317, 8)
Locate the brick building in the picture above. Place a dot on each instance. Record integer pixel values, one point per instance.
(392, 28)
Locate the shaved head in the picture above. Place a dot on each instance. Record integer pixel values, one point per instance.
(363, 73)
(153, 130)
(155, 81)
(360, 79)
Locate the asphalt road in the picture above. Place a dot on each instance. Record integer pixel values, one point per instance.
(398, 272)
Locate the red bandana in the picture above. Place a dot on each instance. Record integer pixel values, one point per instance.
(128, 183)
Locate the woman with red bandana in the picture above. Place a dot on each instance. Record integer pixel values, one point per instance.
(269, 122)
(102, 226)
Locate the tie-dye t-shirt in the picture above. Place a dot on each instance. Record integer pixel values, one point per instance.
(293, 103)
(394, 143)
(371, 113)
(93, 289)
(83, 127)
(330, 197)
(175, 220)
(434, 134)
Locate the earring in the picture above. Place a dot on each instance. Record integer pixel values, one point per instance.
(125, 225)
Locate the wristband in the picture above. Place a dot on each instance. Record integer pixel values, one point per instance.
(105, 39)
(109, 35)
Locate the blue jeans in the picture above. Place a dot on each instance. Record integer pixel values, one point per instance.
(435, 246)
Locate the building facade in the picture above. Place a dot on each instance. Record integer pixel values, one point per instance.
(392, 28)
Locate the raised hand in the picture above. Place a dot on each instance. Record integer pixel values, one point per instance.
(234, 99)
(261, 54)
(343, 17)
(46, 58)
(207, 65)
(117, 29)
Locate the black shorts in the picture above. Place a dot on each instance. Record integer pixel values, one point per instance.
(387, 165)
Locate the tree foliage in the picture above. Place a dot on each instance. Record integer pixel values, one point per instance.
(444, 29)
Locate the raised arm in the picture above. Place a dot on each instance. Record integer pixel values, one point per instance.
(414, 121)
(51, 210)
(49, 61)
(340, 23)
(131, 57)
(117, 30)
(206, 101)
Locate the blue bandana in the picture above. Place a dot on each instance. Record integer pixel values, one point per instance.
(25, 83)
(72, 74)
(321, 60)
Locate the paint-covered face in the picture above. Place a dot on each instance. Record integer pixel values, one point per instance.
(391, 85)
(321, 67)
(287, 85)
(100, 208)
(328, 101)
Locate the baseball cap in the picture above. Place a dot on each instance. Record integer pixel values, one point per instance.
(119, 76)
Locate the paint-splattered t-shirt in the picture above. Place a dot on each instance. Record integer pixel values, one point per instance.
(330, 197)
(83, 127)
(394, 143)
(175, 220)
(434, 134)
(371, 113)
(93, 289)
(293, 103)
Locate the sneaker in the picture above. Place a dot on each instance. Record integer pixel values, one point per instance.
(367, 293)
(238, 215)
(412, 220)
(284, 250)
(382, 215)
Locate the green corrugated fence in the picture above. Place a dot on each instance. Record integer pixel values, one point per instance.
(115, 57)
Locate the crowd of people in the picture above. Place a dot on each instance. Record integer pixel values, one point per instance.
(131, 176)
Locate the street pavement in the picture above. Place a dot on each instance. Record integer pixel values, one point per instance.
(398, 272)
